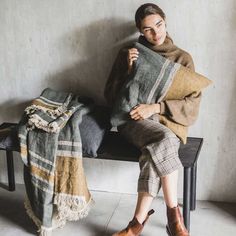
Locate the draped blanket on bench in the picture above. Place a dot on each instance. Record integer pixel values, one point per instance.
(50, 147)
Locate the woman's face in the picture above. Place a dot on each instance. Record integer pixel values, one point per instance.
(154, 29)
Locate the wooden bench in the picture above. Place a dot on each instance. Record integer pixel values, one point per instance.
(115, 147)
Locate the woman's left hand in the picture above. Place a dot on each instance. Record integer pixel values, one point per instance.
(144, 111)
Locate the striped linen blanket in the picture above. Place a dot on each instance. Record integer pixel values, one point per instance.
(50, 147)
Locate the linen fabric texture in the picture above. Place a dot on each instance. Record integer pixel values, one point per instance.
(93, 128)
(155, 79)
(50, 147)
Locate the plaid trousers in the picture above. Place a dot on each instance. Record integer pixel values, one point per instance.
(159, 146)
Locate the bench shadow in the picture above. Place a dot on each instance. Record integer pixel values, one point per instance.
(229, 208)
(4, 186)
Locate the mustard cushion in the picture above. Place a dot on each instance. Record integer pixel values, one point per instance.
(186, 82)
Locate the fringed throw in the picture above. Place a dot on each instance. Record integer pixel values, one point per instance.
(50, 147)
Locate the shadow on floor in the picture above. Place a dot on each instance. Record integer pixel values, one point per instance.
(230, 208)
(4, 186)
(13, 210)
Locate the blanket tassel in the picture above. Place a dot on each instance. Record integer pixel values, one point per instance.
(42, 231)
(45, 231)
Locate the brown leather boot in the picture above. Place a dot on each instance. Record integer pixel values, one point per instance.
(175, 225)
(134, 228)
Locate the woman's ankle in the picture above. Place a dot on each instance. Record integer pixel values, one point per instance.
(172, 204)
(140, 217)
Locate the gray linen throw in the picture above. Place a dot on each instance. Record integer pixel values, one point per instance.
(51, 150)
(148, 83)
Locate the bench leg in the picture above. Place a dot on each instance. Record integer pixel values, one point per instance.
(10, 171)
(186, 197)
(193, 187)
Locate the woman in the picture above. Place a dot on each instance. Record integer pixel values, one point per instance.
(159, 162)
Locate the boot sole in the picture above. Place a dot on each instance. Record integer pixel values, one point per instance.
(168, 231)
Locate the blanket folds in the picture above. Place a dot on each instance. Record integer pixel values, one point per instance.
(148, 83)
(50, 147)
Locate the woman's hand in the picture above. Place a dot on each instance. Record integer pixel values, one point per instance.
(144, 111)
(132, 56)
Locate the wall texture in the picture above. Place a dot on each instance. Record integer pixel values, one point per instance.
(70, 45)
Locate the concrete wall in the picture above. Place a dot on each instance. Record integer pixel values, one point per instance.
(70, 45)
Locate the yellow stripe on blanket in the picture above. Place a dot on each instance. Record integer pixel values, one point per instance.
(69, 177)
(23, 150)
(42, 174)
(38, 102)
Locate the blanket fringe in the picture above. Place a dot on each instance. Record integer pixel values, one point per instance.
(71, 208)
(68, 209)
(36, 121)
(53, 112)
(43, 231)
(31, 213)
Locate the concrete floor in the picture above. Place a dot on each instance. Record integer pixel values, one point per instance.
(112, 212)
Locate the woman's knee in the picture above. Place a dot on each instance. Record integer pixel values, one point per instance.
(165, 139)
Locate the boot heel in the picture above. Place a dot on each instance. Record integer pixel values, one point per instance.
(175, 223)
(134, 228)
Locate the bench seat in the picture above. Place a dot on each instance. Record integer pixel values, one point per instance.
(114, 147)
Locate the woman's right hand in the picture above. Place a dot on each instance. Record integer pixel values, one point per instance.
(132, 56)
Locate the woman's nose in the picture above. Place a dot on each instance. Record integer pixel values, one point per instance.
(155, 31)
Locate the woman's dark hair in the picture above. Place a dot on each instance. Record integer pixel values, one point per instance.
(146, 10)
